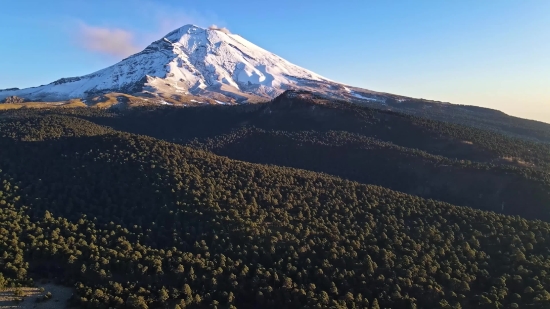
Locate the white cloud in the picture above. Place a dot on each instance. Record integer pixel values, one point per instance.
(110, 41)
(158, 19)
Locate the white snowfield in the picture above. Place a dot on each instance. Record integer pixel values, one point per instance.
(191, 60)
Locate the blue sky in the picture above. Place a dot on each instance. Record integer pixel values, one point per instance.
(487, 53)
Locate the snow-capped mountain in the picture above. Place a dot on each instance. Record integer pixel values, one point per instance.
(195, 61)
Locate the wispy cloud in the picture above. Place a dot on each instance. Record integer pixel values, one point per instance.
(155, 20)
(109, 41)
(222, 29)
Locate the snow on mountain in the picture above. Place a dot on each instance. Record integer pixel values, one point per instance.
(189, 60)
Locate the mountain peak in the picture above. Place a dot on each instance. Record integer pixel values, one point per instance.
(186, 29)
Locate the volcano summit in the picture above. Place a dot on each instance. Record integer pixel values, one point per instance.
(194, 61)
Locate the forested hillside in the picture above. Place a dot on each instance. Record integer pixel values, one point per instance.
(135, 221)
(453, 163)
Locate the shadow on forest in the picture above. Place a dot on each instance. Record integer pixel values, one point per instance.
(484, 189)
(186, 124)
(401, 167)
